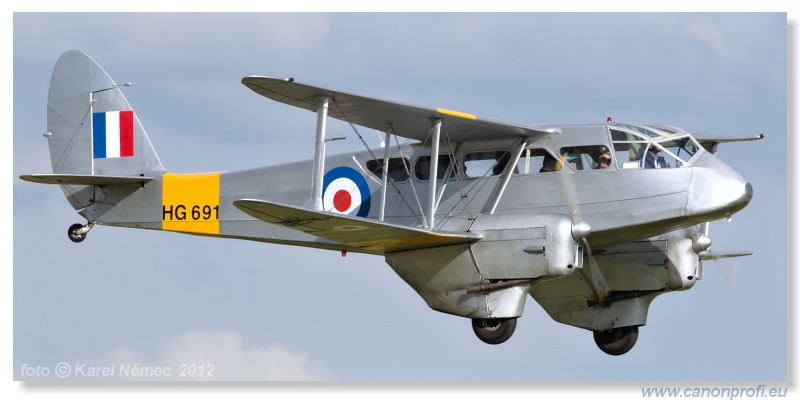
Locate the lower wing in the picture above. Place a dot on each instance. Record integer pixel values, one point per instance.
(354, 232)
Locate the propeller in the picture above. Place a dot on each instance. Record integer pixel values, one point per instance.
(580, 231)
(718, 265)
(702, 245)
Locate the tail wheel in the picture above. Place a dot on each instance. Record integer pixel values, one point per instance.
(494, 330)
(74, 235)
(617, 341)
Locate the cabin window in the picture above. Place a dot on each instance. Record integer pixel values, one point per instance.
(628, 148)
(584, 158)
(422, 168)
(536, 160)
(486, 163)
(398, 168)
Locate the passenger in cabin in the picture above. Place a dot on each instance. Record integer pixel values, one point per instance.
(568, 157)
(502, 163)
(423, 168)
(603, 158)
(549, 164)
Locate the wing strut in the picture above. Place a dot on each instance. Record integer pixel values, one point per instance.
(391, 128)
(509, 170)
(437, 126)
(319, 157)
(385, 183)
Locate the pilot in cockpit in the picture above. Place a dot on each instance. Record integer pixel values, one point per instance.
(651, 158)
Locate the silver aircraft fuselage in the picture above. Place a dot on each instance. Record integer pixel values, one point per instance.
(621, 205)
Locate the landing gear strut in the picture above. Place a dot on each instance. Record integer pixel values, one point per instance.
(77, 232)
(494, 331)
(617, 341)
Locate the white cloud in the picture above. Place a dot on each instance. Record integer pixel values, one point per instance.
(707, 33)
(204, 356)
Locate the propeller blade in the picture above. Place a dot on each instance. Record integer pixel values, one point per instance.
(580, 230)
(700, 268)
(571, 196)
(598, 281)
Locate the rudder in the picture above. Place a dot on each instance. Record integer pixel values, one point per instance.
(92, 130)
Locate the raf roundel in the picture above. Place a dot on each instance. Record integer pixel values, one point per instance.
(345, 191)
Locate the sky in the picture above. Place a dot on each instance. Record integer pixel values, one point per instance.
(271, 312)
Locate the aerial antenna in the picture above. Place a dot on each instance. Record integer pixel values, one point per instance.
(113, 87)
(380, 138)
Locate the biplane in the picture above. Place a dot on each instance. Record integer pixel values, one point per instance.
(593, 221)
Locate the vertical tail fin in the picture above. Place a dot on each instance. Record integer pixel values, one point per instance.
(91, 127)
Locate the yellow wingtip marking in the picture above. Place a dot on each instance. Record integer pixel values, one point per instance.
(456, 113)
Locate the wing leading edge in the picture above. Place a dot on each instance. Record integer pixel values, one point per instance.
(403, 120)
(354, 232)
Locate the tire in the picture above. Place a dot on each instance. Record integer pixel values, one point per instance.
(617, 341)
(73, 236)
(494, 331)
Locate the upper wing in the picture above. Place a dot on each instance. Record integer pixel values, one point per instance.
(90, 180)
(356, 232)
(404, 120)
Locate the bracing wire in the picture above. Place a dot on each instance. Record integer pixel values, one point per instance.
(372, 154)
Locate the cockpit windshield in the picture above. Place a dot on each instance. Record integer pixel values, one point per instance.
(683, 148)
(639, 130)
(639, 146)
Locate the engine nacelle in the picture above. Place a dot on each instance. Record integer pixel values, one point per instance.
(635, 272)
(526, 246)
(683, 247)
(489, 279)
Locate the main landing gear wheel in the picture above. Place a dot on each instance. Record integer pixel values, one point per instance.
(494, 331)
(76, 233)
(617, 341)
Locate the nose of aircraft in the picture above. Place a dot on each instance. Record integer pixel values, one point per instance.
(717, 191)
(748, 192)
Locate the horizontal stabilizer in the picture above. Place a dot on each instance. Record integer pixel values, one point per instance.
(354, 232)
(722, 255)
(89, 180)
